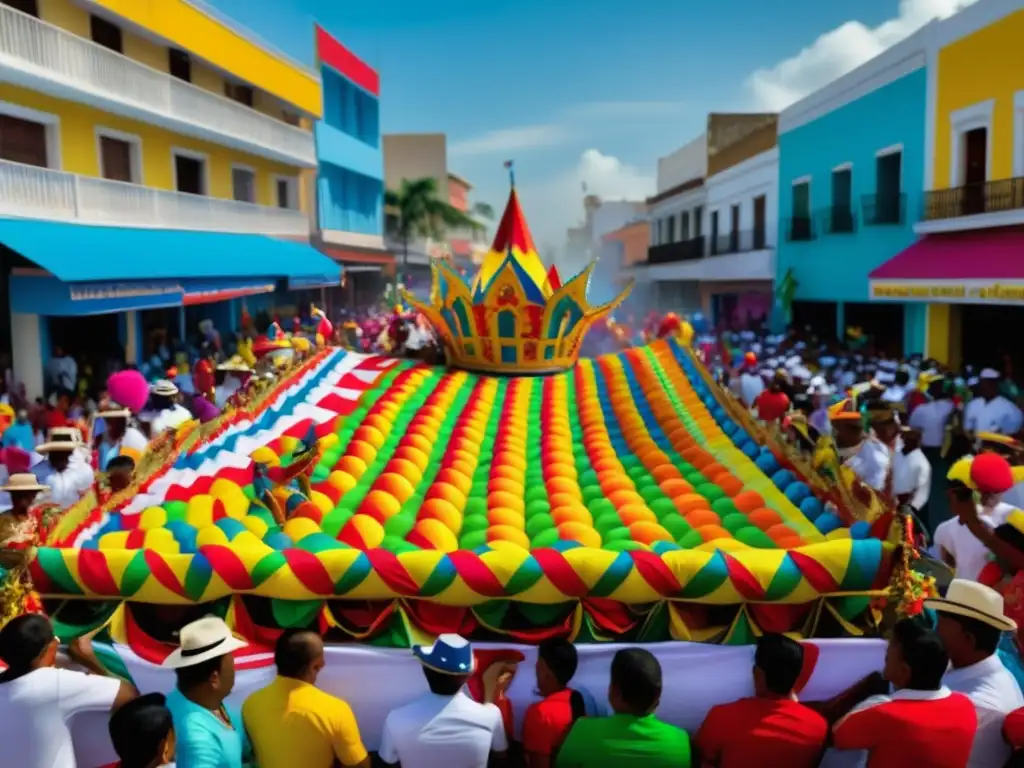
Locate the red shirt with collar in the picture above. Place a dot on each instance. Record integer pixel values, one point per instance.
(768, 732)
(926, 728)
(547, 723)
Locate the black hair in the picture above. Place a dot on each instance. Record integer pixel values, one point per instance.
(194, 676)
(443, 684)
(636, 675)
(561, 658)
(22, 641)
(121, 461)
(1010, 535)
(293, 652)
(986, 637)
(781, 660)
(902, 378)
(922, 651)
(139, 728)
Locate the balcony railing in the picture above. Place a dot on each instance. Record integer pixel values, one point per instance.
(740, 241)
(974, 199)
(39, 193)
(49, 59)
(684, 250)
(838, 220)
(886, 209)
(799, 229)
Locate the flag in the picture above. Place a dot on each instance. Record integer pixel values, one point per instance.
(508, 163)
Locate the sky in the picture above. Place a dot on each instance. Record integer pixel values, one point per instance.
(585, 91)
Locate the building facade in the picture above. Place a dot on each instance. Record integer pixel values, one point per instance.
(851, 161)
(147, 150)
(966, 270)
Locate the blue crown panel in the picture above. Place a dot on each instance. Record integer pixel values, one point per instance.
(466, 328)
(566, 307)
(508, 354)
(507, 324)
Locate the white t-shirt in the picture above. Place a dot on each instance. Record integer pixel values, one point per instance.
(994, 692)
(967, 550)
(35, 711)
(169, 418)
(995, 415)
(932, 418)
(443, 732)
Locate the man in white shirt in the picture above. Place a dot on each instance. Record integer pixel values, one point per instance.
(971, 620)
(990, 411)
(445, 728)
(38, 701)
(751, 385)
(62, 371)
(169, 414)
(68, 481)
(911, 473)
(961, 549)
(119, 437)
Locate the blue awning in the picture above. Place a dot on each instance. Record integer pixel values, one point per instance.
(77, 253)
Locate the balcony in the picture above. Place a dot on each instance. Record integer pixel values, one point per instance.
(998, 203)
(799, 229)
(684, 250)
(39, 193)
(886, 209)
(45, 58)
(838, 220)
(741, 241)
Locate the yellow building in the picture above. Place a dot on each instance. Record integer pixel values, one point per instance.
(968, 264)
(146, 140)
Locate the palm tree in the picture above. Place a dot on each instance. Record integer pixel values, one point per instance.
(418, 211)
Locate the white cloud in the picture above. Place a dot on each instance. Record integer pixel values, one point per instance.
(840, 50)
(506, 140)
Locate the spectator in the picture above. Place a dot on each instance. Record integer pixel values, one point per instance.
(208, 731)
(771, 726)
(921, 722)
(119, 473)
(37, 700)
(633, 736)
(549, 720)
(445, 728)
(971, 620)
(61, 371)
(142, 733)
(20, 434)
(291, 722)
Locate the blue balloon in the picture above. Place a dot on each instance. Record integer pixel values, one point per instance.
(767, 464)
(279, 540)
(811, 508)
(782, 478)
(860, 530)
(699, 323)
(185, 534)
(750, 449)
(797, 492)
(661, 547)
(827, 522)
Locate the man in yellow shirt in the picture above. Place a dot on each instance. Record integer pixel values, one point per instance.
(293, 723)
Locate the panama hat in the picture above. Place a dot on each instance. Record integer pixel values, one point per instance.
(202, 640)
(113, 412)
(973, 601)
(23, 481)
(164, 388)
(449, 654)
(57, 446)
(238, 365)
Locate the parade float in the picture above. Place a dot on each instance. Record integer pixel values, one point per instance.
(516, 494)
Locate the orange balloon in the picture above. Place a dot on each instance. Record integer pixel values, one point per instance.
(405, 468)
(647, 532)
(635, 513)
(578, 532)
(380, 505)
(508, 472)
(380, 422)
(701, 460)
(711, 470)
(699, 517)
(764, 518)
(564, 485)
(505, 499)
(507, 458)
(464, 468)
(673, 487)
(689, 502)
(730, 484)
(352, 465)
(457, 479)
(554, 468)
(413, 455)
(443, 510)
(508, 533)
(447, 492)
(420, 442)
(612, 482)
(396, 485)
(788, 542)
(362, 532)
(437, 535)
(747, 501)
(361, 450)
(341, 480)
(664, 473)
(622, 498)
(460, 454)
(505, 516)
(712, 532)
(780, 531)
(607, 465)
(370, 435)
(579, 514)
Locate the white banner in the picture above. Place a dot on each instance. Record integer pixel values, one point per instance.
(375, 681)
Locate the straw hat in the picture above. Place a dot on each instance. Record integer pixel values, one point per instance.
(973, 601)
(24, 481)
(202, 640)
(114, 413)
(66, 446)
(164, 388)
(235, 364)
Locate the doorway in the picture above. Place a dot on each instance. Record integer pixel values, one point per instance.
(815, 317)
(190, 174)
(975, 145)
(1002, 351)
(882, 323)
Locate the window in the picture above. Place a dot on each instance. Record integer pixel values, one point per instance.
(698, 221)
(888, 198)
(351, 202)
(800, 227)
(292, 118)
(657, 232)
(734, 232)
(670, 224)
(118, 158)
(974, 171)
(286, 192)
(350, 109)
(760, 222)
(243, 184)
(841, 212)
(106, 34)
(23, 141)
(241, 93)
(684, 225)
(189, 173)
(31, 7)
(714, 232)
(180, 64)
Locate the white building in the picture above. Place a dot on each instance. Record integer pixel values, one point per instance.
(586, 243)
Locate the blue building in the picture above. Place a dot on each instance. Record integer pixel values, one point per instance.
(851, 167)
(350, 175)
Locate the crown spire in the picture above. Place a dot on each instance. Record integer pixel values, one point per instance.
(512, 241)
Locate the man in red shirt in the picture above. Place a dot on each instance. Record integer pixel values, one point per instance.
(922, 722)
(771, 727)
(548, 721)
(773, 403)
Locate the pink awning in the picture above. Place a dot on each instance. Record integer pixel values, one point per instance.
(986, 254)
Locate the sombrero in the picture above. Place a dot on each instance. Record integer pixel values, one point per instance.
(973, 601)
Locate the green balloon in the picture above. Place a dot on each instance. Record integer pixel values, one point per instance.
(320, 473)
(690, 540)
(734, 521)
(473, 540)
(176, 510)
(662, 507)
(540, 507)
(591, 493)
(636, 472)
(476, 505)
(724, 507)
(607, 521)
(397, 545)
(675, 524)
(474, 523)
(588, 478)
(599, 507)
(625, 545)
(616, 534)
(710, 491)
(753, 536)
(695, 478)
(536, 493)
(651, 493)
(400, 524)
(334, 521)
(544, 539)
(538, 523)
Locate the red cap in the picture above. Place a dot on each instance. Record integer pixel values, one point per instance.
(750, 358)
(991, 473)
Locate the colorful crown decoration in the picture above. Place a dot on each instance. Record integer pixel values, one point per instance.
(514, 318)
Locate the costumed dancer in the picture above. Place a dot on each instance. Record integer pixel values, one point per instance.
(324, 327)
(67, 482)
(865, 455)
(169, 414)
(232, 376)
(204, 378)
(22, 530)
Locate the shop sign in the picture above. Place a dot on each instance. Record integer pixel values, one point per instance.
(950, 292)
(101, 291)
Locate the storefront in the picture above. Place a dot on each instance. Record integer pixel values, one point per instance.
(734, 304)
